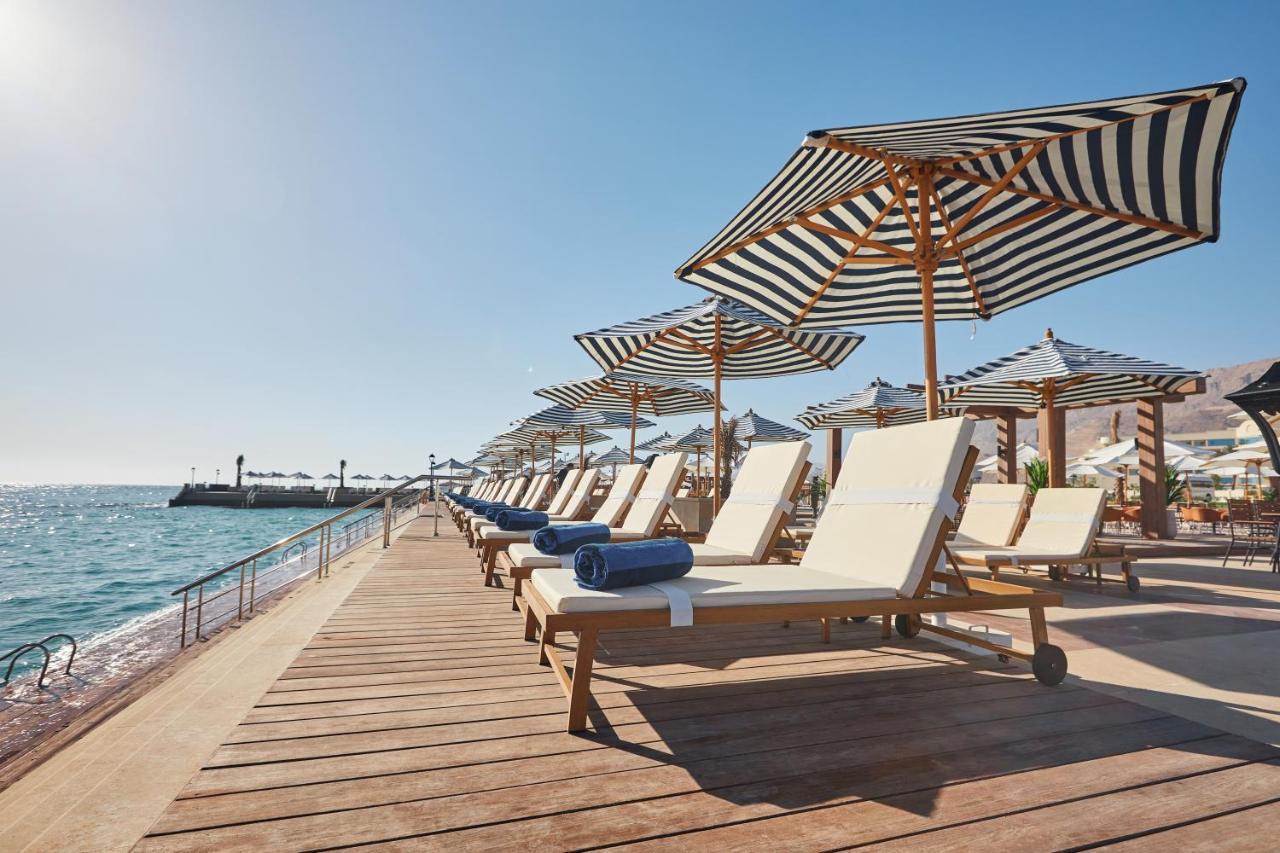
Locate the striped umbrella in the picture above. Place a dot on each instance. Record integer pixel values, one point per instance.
(752, 427)
(967, 217)
(719, 338)
(580, 420)
(658, 444)
(878, 405)
(615, 457)
(697, 440)
(1054, 374)
(533, 432)
(633, 394)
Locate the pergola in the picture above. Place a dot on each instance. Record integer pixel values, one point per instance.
(1052, 376)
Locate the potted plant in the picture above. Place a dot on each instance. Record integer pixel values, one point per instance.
(1037, 471)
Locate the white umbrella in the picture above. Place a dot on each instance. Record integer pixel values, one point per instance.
(1088, 469)
(1026, 452)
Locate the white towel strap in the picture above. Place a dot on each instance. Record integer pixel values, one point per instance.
(929, 496)
(1063, 517)
(993, 502)
(761, 499)
(679, 602)
(655, 495)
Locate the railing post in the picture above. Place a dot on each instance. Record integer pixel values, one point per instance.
(186, 598)
(386, 522)
(199, 609)
(253, 584)
(319, 558)
(240, 606)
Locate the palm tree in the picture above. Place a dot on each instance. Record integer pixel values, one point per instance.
(342, 473)
(731, 450)
(239, 467)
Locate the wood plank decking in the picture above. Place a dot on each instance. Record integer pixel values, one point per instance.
(417, 718)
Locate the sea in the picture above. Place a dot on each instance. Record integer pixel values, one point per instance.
(99, 562)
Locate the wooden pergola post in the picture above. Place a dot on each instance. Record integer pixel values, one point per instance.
(1052, 423)
(1150, 441)
(1007, 447)
(835, 456)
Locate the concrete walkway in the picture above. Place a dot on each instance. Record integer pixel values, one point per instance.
(103, 791)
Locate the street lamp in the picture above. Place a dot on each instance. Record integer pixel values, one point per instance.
(193, 478)
(435, 515)
(217, 476)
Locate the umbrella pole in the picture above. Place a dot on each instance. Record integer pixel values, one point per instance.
(582, 459)
(926, 263)
(635, 406)
(717, 358)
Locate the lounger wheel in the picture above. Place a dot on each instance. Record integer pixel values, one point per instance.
(1002, 658)
(1055, 573)
(859, 618)
(1133, 583)
(1049, 664)
(906, 626)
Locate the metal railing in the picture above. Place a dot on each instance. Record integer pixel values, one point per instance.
(227, 594)
(15, 654)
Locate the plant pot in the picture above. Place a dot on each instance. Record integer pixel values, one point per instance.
(1171, 523)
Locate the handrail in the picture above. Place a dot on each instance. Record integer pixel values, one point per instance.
(301, 534)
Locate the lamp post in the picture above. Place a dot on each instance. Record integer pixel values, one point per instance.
(193, 478)
(435, 514)
(217, 476)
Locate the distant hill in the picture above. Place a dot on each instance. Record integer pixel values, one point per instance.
(1198, 413)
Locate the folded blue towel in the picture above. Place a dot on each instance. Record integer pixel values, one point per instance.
(602, 567)
(491, 511)
(517, 519)
(561, 539)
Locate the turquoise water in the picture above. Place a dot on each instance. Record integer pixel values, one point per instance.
(89, 560)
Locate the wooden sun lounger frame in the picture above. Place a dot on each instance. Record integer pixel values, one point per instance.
(1099, 555)
(543, 624)
(519, 574)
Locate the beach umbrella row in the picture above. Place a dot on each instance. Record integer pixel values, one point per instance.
(721, 339)
(874, 407)
(632, 394)
(964, 218)
(752, 427)
(563, 420)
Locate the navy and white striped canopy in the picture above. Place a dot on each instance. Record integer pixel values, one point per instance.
(1081, 376)
(546, 434)
(680, 343)
(614, 392)
(616, 456)
(657, 444)
(1018, 204)
(563, 416)
(878, 405)
(453, 466)
(697, 438)
(752, 427)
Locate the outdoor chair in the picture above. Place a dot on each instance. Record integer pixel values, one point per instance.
(875, 552)
(492, 541)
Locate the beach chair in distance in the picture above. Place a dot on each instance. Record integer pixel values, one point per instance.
(491, 541)
(875, 552)
(458, 511)
(1061, 532)
(555, 505)
(640, 519)
(993, 515)
(511, 494)
(529, 499)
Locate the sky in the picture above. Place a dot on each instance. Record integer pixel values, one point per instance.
(305, 231)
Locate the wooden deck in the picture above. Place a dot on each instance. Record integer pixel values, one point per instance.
(417, 718)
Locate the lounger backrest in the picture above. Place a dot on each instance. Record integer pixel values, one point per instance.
(623, 491)
(516, 491)
(656, 495)
(993, 513)
(562, 495)
(760, 497)
(581, 494)
(505, 489)
(1063, 522)
(533, 495)
(896, 489)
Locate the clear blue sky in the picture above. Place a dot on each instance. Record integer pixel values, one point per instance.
(244, 227)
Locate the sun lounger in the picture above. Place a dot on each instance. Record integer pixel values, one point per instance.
(490, 541)
(876, 552)
(1061, 532)
(638, 520)
(992, 515)
(510, 495)
(531, 499)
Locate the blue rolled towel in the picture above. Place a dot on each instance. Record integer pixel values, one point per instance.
(518, 519)
(561, 539)
(480, 507)
(602, 567)
(491, 512)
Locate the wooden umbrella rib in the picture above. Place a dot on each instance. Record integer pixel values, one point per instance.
(786, 223)
(900, 195)
(690, 342)
(845, 261)
(746, 343)
(956, 249)
(857, 240)
(1144, 221)
(801, 348)
(978, 301)
(1045, 140)
(992, 191)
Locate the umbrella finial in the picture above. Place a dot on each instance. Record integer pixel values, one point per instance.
(1048, 334)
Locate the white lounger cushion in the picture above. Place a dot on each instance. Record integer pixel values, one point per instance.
(898, 483)
(992, 514)
(562, 495)
(1062, 526)
(578, 501)
(759, 499)
(615, 504)
(655, 495)
(709, 586)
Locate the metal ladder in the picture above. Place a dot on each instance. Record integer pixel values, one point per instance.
(15, 654)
